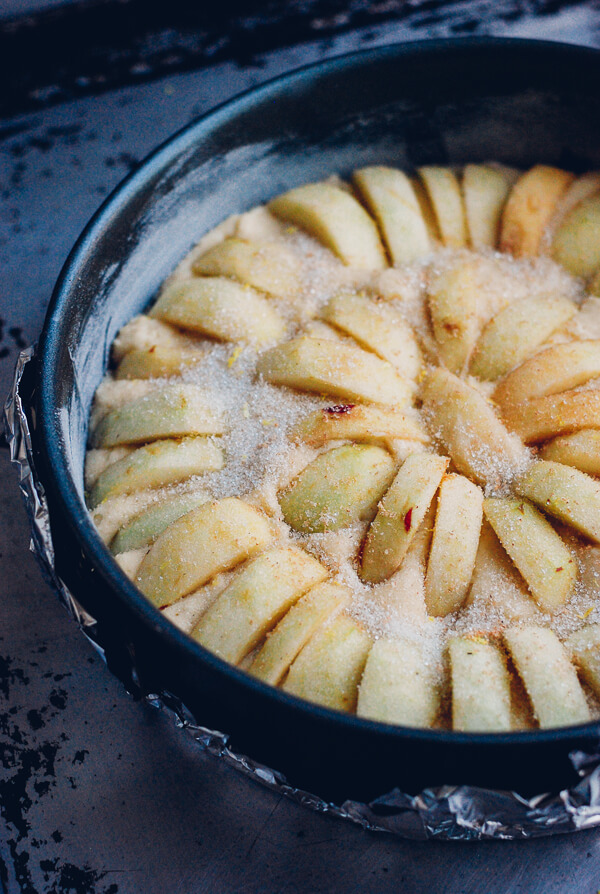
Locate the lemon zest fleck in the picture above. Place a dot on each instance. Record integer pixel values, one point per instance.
(236, 353)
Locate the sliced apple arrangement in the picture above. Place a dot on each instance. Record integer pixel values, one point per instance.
(428, 558)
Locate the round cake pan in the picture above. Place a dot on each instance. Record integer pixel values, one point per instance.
(450, 102)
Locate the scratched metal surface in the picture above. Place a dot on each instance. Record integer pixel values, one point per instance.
(99, 794)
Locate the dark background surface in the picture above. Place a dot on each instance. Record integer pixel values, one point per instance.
(100, 794)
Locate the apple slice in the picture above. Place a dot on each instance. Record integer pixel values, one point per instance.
(467, 426)
(485, 189)
(584, 647)
(454, 545)
(187, 611)
(580, 450)
(480, 687)
(96, 461)
(338, 488)
(206, 541)
(295, 629)
(156, 465)
(400, 513)
(541, 556)
(267, 266)
(555, 369)
(169, 411)
(576, 243)
(257, 597)
(443, 189)
(549, 677)
(329, 668)
(378, 328)
(427, 212)
(356, 422)
(497, 588)
(115, 512)
(529, 209)
(398, 685)
(545, 417)
(389, 196)
(142, 333)
(145, 527)
(221, 308)
(112, 394)
(324, 366)
(516, 333)
(582, 188)
(455, 306)
(565, 493)
(336, 219)
(130, 561)
(157, 362)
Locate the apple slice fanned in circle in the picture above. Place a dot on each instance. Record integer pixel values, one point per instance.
(112, 394)
(158, 362)
(168, 411)
(443, 189)
(485, 189)
(399, 685)
(454, 544)
(480, 686)
(116, 512)
(400, 514)
(145, 527)
(378, 328)
(338, 488)
(553, 370)
(156, 465)
(580, 450)
(584, 648)
(267, 266)
(497, 585)
(529, 209)
(465, 423)
(427, 212)
(548, 676)
(295, 629)
(516, 332)
(539, 553)
(329, 668)
(326, 367)
(203, 543)
(220, 308)
(576, 243)
(565, 493)
(142, 333)
(581, 188)
(356, 422)
(186, 612)
(336, 219)
(546, 417)
(391, 199)
(454, 304)
(257, 597)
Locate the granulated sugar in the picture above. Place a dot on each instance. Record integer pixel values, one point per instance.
(262, 456)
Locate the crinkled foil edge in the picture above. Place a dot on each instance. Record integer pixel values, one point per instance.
(446, 812)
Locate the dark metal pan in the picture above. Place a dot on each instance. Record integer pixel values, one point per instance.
(517, 102)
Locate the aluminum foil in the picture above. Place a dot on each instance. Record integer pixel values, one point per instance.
(447, 812)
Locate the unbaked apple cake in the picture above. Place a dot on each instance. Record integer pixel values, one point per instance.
(353, 448)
